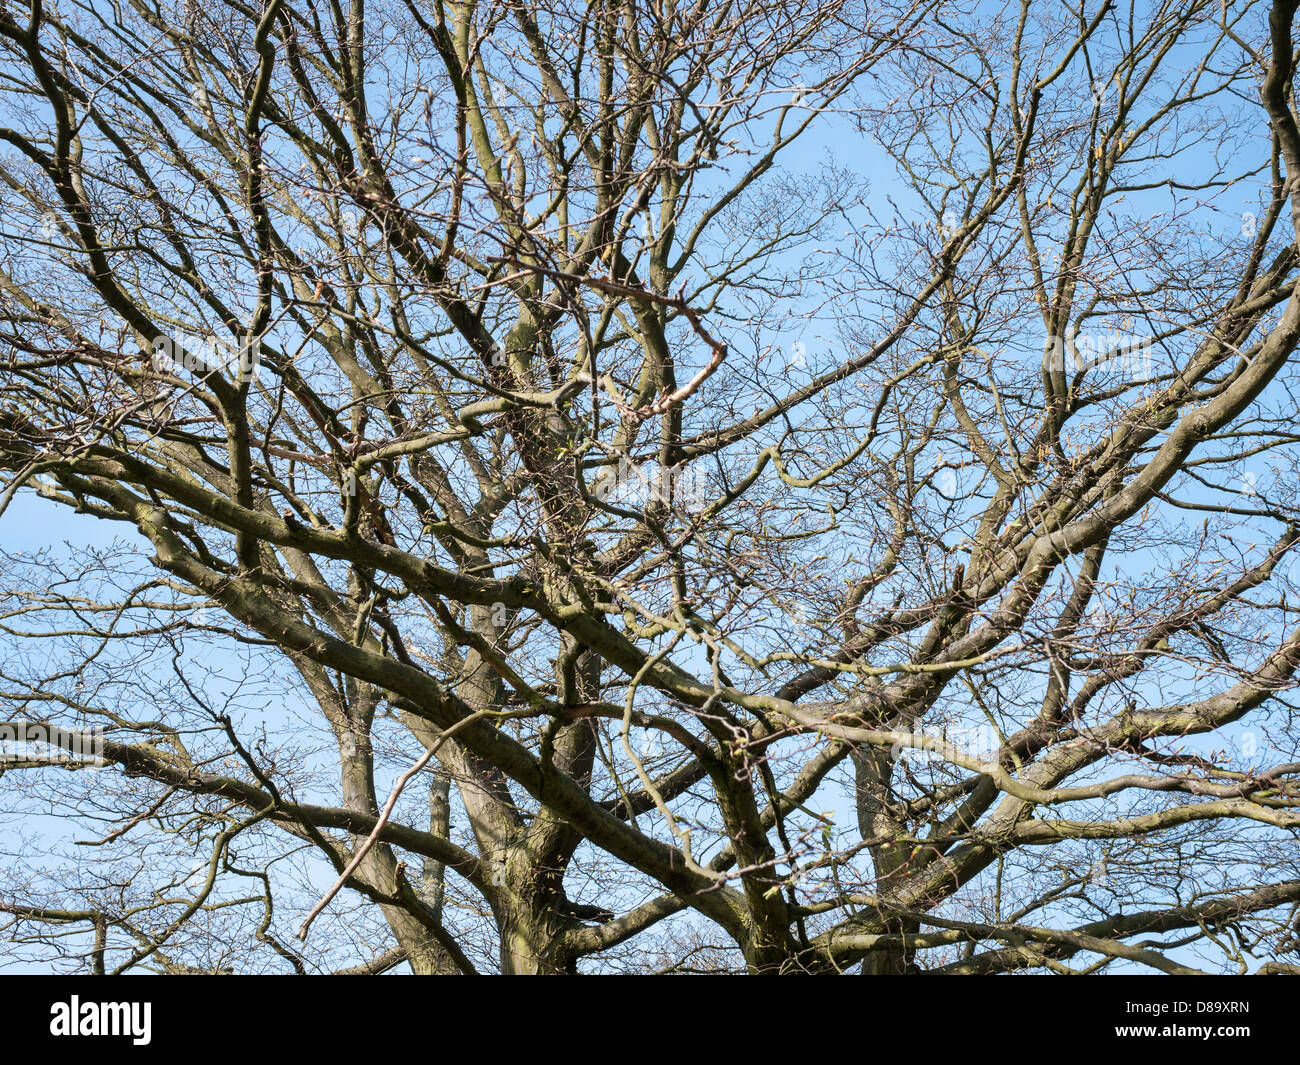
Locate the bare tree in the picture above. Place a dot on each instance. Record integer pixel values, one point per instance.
(648, 487)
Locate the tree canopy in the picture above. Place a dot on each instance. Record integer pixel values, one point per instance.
(639, 486)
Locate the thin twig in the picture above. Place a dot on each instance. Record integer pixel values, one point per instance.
(364, 849)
